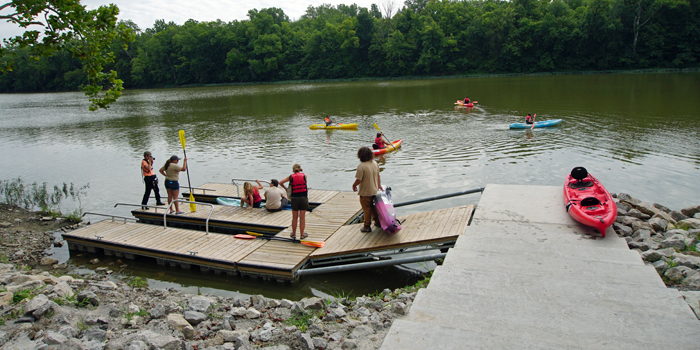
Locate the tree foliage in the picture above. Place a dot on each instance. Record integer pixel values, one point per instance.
(68, 26)
(422, 37)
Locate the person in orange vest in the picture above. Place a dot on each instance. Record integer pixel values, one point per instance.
(150, 179)
(328, 120)
(300, 199)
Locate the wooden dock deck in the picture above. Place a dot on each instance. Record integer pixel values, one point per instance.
(269, 259)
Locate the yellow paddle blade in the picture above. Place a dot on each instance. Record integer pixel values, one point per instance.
(193, 207)
(182, 138)
(376, 127)
(253, 233)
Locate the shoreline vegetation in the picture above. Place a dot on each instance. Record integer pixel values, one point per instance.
(413, 40)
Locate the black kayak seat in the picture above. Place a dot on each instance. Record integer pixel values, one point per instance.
(589, 201)
(579, 173)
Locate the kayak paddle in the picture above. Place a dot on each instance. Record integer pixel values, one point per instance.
(283, 239)
(533, 121)
(193, 207)
(390, 143)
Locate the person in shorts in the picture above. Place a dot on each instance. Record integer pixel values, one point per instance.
(171, 170)
(300, 199)
(367, 177)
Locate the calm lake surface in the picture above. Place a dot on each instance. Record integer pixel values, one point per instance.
(637, 133)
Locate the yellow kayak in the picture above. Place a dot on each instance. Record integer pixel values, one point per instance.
(334, 126)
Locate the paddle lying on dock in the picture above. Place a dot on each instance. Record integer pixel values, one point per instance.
(253, 235)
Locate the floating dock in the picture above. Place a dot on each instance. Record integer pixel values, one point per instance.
(331, 222)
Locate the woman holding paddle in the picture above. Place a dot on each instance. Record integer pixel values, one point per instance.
(300, 200)
(171, 170)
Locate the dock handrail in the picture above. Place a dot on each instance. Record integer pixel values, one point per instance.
(238, 191)
(165, 224)
(110, 215)
(481, 189)
(204, 190)
(140, 205)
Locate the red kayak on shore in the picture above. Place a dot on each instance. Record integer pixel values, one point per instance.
(587, 201)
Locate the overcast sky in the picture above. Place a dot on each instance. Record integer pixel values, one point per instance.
(145, 12)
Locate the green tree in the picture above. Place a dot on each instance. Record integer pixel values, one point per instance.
(67, 24)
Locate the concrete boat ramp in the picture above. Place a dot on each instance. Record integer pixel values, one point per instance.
(524, 275)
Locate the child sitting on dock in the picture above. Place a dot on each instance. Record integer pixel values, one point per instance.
(251, 196)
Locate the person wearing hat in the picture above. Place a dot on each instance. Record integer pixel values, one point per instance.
(300, 200)
(150, 179)
(171, 170)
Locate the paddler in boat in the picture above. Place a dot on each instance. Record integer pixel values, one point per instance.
(530, 119)
(467, 100)
(328, 120)
(379, 142)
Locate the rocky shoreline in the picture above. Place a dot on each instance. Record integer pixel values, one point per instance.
(50, 310)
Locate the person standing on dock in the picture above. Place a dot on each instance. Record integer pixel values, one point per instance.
(150, 179)
(275, 198)
(300, 200)
(171, 170)
(367, 177)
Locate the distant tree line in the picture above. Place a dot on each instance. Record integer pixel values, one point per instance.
(421, 38)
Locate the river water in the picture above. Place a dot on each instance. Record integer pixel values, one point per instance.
(637, 133)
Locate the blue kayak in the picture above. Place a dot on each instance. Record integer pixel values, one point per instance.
(542, 124)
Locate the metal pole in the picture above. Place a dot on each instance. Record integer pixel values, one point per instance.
(481, 189)
(370, 264)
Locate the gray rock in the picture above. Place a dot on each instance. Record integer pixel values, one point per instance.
(675, 274)
(265, 335)
(675, 241)
(32, 284)
(305, 342)
(628, 200)
(621, 211)
(298, 309)
(622, 230)
(86, 296)
(319, 343)
(92, 345)
(238, 311)
(399, 308)
(94, 334)
(160, 341)
(63, 290)
(651, 255)
(48, 261)
(336, 336)
(349, 345)
(313, 303)
(690, 223)
(674, 232)
(287, 304)
(691, 211)
(662, 208)
(251, 313)
(678, 216)
(360, 332)
(658, 224)
(157, 312)
(660, 266)
(641, 235)
(36, 303)
(641, 225)
(194, 317)
(137, 345)
(278, 347)
(178, 322)
(259, 302)
(240, 338)
(638, 214)
(690, 261)
(54, 338)
(200, 303)
(315, 330)
(68, 331)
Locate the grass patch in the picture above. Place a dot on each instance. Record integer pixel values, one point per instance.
(302, 321)
(23, 294)
(138, 282)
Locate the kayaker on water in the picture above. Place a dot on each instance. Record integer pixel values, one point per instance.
(530, 119)
(467, 100)
(328, 120)
(367, 177)
(379, 142)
